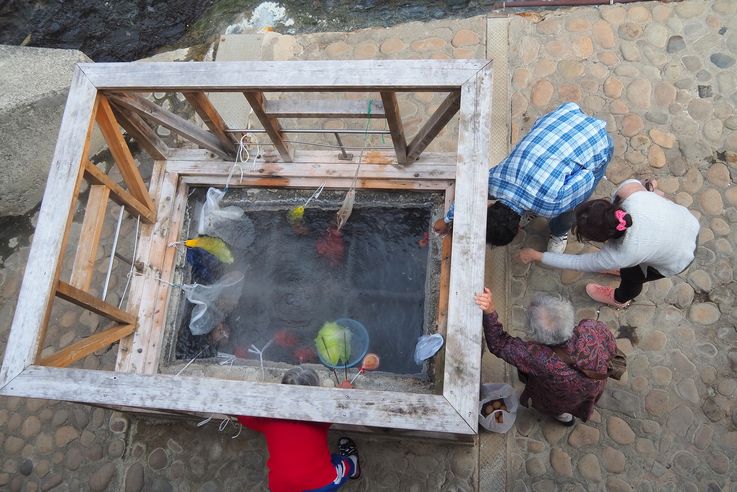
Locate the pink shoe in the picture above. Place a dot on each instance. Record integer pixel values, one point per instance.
(605, 295)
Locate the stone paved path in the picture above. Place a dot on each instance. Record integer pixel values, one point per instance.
(664, 78)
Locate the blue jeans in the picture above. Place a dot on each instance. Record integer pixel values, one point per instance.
(344, 468)
(561, 224)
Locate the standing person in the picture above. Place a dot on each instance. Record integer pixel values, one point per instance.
(554, 168)
(299, 457)
(555, 388)
(645, 235)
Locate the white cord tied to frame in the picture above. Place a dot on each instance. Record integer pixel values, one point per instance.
(260, 352)
(224, 423)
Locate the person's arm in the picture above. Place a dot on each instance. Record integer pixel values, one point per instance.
(588, 262)
(511, 349)
(442, 226)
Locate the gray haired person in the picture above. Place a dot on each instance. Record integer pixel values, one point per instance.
(552, 386)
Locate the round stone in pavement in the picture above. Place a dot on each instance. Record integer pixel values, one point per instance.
(619, 430)
(157, 459)
(26, 467)
(100, 479)
(134, 478)
(209, 487)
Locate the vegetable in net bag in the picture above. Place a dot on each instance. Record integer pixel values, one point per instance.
(212, 303)
(227, 223)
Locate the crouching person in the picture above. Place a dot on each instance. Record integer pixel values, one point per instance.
(565, 366)
(299, 456)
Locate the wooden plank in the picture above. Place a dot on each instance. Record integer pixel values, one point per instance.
(142, 250)
(143, 300)
(446, 249)
(142, 133)
(463, 341)
(447, 109)
(184, 393)
(271, 125)
(211, 118)
(155, 341)
(118, 194)
(89, 237)
(44, 263)
(323, 108)
(173, 122)
(82, 348)
(394, 120)
(289, 170)
(121, 153)
(331, 183)
(92, 303)
(312, 75)
(301, 156)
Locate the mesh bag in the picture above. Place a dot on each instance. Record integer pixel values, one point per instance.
(227, 223)
(212, 303)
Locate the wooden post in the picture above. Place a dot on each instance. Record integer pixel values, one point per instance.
(271, 125)
(118, 194)
(391, 107)
(211, 118)
(89, 237)
(141, 133)
(82, 348)
(175, 123)
(92, 303)
(65, 175)
(447, 109)
(121, 153)
(463, 349)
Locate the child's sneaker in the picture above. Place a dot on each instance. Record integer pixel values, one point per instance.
(347, 448)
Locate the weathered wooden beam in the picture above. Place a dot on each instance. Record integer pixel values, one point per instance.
(121, 153)
(386, 156)
(144, 291)
(118, 194)
(391, 107)
(463, 344)
(437, 121)
(323, 108)
(396, 410)
(143, 257)
(82, 348)
(312, 75)
(89, 237)
(92, 303)
(173, 122)
(142, 133)
(211, 118)
(332, 183)
(36, 292)
(327, 171)
(271, 125)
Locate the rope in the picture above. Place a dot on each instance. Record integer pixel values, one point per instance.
(133, 262)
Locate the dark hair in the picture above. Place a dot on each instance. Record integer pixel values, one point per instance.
(502, 224)
(301, 375)
(596, 221)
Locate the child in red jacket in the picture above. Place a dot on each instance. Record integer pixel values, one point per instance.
(299, 457)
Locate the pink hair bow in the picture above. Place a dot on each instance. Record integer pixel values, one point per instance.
(620, 214)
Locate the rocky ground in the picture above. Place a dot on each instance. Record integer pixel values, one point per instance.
(663, 76)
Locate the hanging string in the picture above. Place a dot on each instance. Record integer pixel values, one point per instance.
(260, 352)
(133, 263)
(315, 195)
(190, 362)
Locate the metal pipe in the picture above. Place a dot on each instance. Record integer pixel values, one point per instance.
(558, 3)
(112, 254)
(314, 130)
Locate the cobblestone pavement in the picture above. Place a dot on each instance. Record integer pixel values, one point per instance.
(663, 76)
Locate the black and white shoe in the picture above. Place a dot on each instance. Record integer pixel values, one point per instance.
(566, 419)
(347, 448)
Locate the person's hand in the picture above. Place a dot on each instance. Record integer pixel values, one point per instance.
(485, 301)
(441, 227)
(527, 255)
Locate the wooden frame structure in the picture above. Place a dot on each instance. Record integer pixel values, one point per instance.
(109, 95)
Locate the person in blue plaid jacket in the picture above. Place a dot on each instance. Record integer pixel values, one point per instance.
(554, 168)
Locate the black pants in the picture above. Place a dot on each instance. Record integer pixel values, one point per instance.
(632, 280)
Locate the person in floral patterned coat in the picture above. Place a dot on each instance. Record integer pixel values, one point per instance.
(553, 387)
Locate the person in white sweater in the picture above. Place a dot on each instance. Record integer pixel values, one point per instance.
(644, 235)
